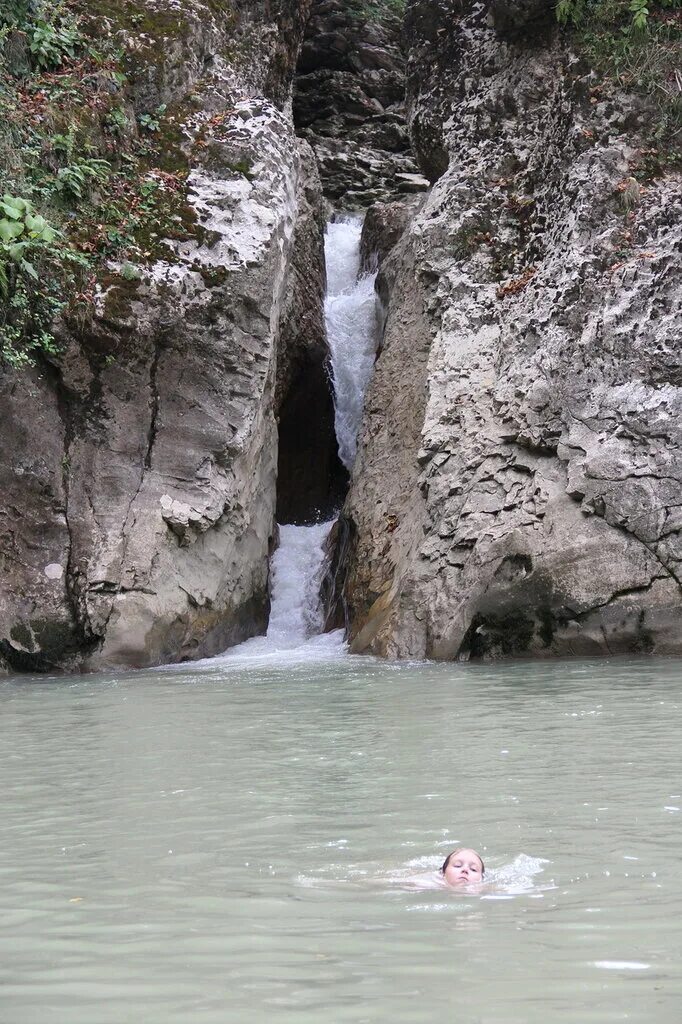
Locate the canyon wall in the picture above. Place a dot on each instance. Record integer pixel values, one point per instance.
(517, 489)
(139, 463)
(518, 485)
(349, 103)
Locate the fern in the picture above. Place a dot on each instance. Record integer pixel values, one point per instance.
(76, 179)
(571, 12)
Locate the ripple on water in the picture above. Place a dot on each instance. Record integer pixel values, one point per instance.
(308, 808)
(423, 874)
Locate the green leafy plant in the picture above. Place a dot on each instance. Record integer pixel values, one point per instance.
(634, 15)
(15, 13)
(640, 15)
(150, 122)
(62, 145)
(636, 45)
(76, 179)
(51, 42)
(21, 229)
(116, 121)
(33, 262)
(52, 30)
(571, 12)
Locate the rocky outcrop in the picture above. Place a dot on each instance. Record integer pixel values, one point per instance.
(349, 104)
(519, 481)
(518, 484)
(138, 474)
(383, 228)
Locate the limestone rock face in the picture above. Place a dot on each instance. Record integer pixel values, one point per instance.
(138, 471)
(519, 480)
(383, 228)
(349, 104)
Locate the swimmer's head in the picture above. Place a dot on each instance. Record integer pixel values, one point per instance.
(462, 867)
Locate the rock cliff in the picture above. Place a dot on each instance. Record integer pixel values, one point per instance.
(138, 470)
(349, 103)
(519, 481)
(517, 489)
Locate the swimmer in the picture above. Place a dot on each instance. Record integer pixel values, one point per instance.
(463, 867)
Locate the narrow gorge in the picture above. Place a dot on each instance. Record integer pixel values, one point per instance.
(514, 486)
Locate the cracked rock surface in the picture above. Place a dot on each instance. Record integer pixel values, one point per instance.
(138, 472)
(518, 489)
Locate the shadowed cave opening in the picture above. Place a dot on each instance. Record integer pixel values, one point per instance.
(311, 479)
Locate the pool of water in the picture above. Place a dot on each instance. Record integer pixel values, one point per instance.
(248, 841)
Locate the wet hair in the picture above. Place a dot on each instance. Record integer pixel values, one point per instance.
(459, 850)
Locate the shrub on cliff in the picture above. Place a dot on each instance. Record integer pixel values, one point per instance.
(51, 31)
(87, 178)
(637, 43)
(35, 268)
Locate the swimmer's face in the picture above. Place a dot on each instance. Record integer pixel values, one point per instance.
(464, 867)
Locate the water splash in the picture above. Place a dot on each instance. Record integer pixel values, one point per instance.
(297, 565)
(351, 319)
(296, 611)
(422, 874)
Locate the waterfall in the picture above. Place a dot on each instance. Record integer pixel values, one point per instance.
(350, 316)
(295, 614)
(296, 577)
(297, 564)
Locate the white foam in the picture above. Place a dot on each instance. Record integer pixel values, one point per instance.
(622, 965)
(296, 576)
(296, 614)
(423, 874)
(519, 875)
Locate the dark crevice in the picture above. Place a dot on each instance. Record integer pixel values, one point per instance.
(73, 412)
(513, 631)
(24, 661)
(154, 407)
(312, 481)
(147, 460)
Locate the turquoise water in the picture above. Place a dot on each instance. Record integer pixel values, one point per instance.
(248, 841)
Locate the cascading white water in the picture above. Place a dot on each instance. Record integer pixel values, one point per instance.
(350, 316)
(297, 565)
(296, 576)
(295, 613)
